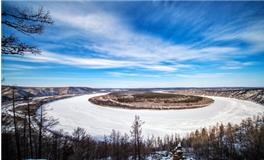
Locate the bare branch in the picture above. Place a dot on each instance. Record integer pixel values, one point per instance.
(11, 45)
(27, 22)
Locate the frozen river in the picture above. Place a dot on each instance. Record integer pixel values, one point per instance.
(98, 121)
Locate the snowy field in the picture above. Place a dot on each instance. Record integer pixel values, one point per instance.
(98, 121)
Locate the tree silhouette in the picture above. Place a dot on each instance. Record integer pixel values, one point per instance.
(15, 125)
(25, 21)
(136, 134)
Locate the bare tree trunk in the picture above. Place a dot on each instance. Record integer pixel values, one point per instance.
(138, 148)
(25, 136)
(55, 146)
(136, 133)
(135, 146)
(40, 133)
(105, 147)
(58, 142)
(15, 126)
(29, 130)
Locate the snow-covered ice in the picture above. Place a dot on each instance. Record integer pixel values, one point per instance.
(98, 121)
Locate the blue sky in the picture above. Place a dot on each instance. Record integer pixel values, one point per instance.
(143, 44)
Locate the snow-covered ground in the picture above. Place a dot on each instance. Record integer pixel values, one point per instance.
(98, 121)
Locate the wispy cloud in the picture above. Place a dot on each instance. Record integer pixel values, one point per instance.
(252, 35)
(176, 42)
(236, 65)
(15, 67)
(113, 37)
(122, 46)
(203, 75)
(122, 74)
(92, 63)
(48, 57)
(126, 74)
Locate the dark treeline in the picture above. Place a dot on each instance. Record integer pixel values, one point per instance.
(81, 145)
(221, 142)
(244, 141)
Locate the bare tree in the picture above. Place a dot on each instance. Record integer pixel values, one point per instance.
(230, 140)
(44, 123)
(11, 45)
(15, 126)
(40, 133)
(25, 21)
(29, 128)
(25, 144)
(221, 139)
(136, 134)
(80, 143)
(115, 140)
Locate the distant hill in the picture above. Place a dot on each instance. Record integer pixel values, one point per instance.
(43, 91)
(245, 93)
(251, 94)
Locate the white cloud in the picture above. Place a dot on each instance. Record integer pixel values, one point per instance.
(160, 68)
(236, 65)
(17, 67)
(203, 75)
(121, 46)
(114, 37)
(94, 63)
(122, 74)
(129, 74)
(253, 35)
(48, 57)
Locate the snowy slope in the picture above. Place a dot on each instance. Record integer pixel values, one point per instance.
(99, 121)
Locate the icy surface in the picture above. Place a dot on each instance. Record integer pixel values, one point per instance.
(98, 121)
